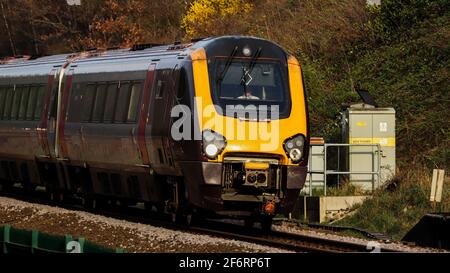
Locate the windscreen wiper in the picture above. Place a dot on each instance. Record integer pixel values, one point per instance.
(227, 64)
(251, 65)
(254, 59)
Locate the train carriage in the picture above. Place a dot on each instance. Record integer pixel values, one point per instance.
(217, 126)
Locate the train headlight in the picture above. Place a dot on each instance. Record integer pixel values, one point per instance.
(213, 143)
(211, 150)
(294, 147)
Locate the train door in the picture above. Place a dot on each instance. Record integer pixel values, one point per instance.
(143, 114)
(63, 96)
(158, 125)
(47, 125)
(73, 127)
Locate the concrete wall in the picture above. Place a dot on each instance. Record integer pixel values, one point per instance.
(319, 209)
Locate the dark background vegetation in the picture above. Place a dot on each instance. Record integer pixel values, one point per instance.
(399, 51)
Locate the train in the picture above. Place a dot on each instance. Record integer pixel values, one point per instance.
(215, 126)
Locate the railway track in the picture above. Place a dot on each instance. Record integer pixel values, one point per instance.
(285, 240)
(282, 240)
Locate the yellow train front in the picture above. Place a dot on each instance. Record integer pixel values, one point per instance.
(249, 153)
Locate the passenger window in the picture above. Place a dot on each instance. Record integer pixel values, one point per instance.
(122, 102)
(16, 101)
(24, 102)
(134, 102)
(41, 94)
(75, 110)
(31, 102)
(99, 105)
(8, 103)
(159, 89)
(110, 102)
(2, 101)
(88, 102)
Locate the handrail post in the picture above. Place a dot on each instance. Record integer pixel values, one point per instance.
(338, 166)
(379, 164)
(325, 148)
(311, 169)
(373, 169)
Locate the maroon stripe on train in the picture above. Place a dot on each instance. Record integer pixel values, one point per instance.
(143, 114)
(43, 126)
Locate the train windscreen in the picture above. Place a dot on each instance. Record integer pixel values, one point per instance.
(250, 83)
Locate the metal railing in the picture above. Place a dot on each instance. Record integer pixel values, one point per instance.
(325, 172)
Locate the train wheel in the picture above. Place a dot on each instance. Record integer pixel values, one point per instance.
(249, 222)
(148, 206)
(87, 202)
(266, 223)
(127, 203)
(28, 187)
(192, 218)
(189, 219)
(56, 196)
(155, 207)
(100, 202)
(6, 185)
(175, 218)
(182, 219)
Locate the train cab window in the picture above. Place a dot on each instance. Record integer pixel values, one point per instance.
(41, 94)
(24, 102)
(182, 86)
(110, 103)
(247, 83)
(31, 103)
(16, 102)
(123, 98)
(8, 103)
(99, 104)
(2, 100)
(88, 102)
(134, 102)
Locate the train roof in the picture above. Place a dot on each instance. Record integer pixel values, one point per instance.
(137, 51)
(98, 54)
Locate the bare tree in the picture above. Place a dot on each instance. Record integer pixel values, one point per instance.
(11, 40)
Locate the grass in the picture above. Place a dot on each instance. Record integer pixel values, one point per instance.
(344, 189)
(395, 209)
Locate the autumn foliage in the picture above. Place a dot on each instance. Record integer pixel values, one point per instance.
(216, 17)
(39, 27)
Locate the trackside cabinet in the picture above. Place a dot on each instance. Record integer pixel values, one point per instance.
(365, 124)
